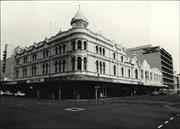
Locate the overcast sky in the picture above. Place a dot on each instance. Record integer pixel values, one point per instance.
(131, 23)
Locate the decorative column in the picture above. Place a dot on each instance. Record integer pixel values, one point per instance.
(75, 63)
(82, 63)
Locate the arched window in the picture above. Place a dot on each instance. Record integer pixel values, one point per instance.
(129, 73)
(100, 67)
(104, 67)
(85, 45)
(114, 56)
(136, 74)
(121, 58)
(73, 63)
(103, 52)
(73, 45)
(100, 50)
(97, 49)
(122, 71)
(79, 44)
(85, 63)
(142, 75)
(114, 70)
(79, 61)
(97, 68)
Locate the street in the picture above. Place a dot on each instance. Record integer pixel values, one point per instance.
(137, 112)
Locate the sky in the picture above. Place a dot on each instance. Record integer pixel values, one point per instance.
(130, 23)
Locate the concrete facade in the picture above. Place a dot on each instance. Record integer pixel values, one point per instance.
(176, 83)
(156, 57)
(7, 69)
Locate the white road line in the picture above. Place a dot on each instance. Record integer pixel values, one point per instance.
(171, 118)
(74, 109)
(166, 122)
(160, 126)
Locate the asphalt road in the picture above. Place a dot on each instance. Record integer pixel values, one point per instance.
(140, 112)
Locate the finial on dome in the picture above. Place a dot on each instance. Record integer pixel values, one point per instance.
(79, 20)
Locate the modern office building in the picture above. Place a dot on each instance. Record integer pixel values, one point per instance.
(156, 57)
(176, 83)
(81, 62)
(7, 73)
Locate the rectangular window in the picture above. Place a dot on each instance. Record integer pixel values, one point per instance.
(25, 59)
(34, 56)
(45, 68)
(151, 76)
(24, 72)
(97, 68)
(17, 61)
(45, 53)
(33, 70)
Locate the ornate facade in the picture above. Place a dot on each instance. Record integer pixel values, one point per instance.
(80, 54)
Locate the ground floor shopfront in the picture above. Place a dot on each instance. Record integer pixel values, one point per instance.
(77, 89)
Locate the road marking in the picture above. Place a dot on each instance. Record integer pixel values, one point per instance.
(166, 122)
(171, 118)
(74, 109)
(160, 126)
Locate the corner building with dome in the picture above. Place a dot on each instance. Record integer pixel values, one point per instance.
(81, 63)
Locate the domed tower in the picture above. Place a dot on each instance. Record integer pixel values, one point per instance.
(79, 20)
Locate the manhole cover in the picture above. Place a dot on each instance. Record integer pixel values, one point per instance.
(74, 109)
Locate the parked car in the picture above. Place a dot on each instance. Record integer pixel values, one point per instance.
(163, 92)
(1, 93)
(8, 93)
(19, 93)
(154, 93)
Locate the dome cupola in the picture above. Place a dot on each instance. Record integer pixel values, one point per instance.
(79, 20)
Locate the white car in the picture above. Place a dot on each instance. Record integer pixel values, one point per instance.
(19, 94)
(1, 93)
(8, 93)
